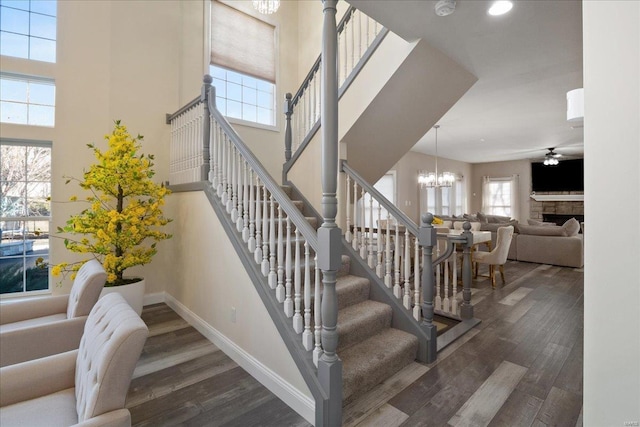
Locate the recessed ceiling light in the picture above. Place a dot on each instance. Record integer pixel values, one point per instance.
(500, 7)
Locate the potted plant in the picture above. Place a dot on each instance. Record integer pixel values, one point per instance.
(123, 220)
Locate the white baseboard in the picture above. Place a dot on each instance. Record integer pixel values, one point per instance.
(299, 402)
(155, 298)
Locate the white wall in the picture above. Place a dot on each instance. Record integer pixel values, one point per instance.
(502, 169)
(612, 186)
(210, 280)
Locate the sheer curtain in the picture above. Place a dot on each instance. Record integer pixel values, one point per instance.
(500, 195)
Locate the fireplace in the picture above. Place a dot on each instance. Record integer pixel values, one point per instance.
(560, 218)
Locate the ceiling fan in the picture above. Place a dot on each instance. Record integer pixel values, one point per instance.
(551, 157)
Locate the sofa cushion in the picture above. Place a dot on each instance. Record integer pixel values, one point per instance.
(482, 217)
(57, 409)
(495, 219)
(542, 230)
(536, 222)
(571, 227)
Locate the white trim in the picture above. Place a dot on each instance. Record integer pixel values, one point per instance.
(558, 197)
(290, 395)
(155, 298)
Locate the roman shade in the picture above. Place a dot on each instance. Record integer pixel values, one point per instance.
(242, 43)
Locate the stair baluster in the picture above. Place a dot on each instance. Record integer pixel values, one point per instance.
(265, 232)
(387, 257)
(370, 257)
(273, 276)
(363, 228)
(307, 336)
(379, 266)
(317, 314)
(288, 302)
(356, 235)
(416, 284)
(251, 240)
(347, 234)
(297, 296)
(407, 271)
(397, 290)
(280, 294)
(258, 223)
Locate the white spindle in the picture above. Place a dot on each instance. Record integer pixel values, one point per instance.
(258, 207)
(265, 230)
(454, 293)
(307, 336)
(356, 238)
(231, 203)
(247, 177)
(317, 315)
(241, 171)
(370, 257)
(273, 276)
(387, 256)
(213, 156)
(445, 301)
(416, 282)
(437, 299)
(379, 266)
(397, 290)
(407, 271)
(363, 229)
(280, 288)
(347, 234)
(220, 188)
(288, 302)
(225, 168)
(251, 240)
(297, 296)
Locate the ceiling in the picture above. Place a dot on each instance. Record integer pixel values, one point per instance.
(525, 61)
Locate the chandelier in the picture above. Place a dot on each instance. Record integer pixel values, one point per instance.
(266, 7)
(433, 179)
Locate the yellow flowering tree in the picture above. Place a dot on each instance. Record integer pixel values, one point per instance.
(125, 209)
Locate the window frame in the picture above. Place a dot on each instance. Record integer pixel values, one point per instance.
(29, 79)
(494, 209)
(24, 256)
(30, 36)
(432, 200)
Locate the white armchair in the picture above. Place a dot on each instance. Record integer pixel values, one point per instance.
(84, 387)
(498, 256)
(39, 327)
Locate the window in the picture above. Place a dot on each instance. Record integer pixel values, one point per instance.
(243, 97)
(25, 189)
(27, 100)
(443, 200)
(387, 187)
(28, 29)
(499, 196)
(243, 65)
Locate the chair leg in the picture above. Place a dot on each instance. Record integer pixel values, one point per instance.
(492, 273)
(502, 273)
(475, 276)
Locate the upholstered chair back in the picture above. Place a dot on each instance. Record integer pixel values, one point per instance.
(109, 350)
(86, 289)
(498, 255)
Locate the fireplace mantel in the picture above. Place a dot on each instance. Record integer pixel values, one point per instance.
(558, 197)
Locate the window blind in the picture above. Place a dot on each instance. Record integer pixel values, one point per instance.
(242, 43)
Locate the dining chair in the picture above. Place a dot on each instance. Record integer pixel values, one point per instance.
(497, 257)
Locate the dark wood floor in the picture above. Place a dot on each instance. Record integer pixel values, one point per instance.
(522, 366)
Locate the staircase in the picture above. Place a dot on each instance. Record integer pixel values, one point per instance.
(370, 349)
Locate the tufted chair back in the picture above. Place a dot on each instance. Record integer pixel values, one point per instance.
(86, 289)
(109, 350)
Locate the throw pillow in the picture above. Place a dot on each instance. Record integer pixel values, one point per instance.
(482, 217)
(571, 227)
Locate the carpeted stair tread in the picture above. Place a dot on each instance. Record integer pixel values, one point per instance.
(287, 190)
(360, 321)
(351, 290)
(370, 362)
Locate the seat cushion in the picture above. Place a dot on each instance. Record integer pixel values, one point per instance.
(53, 410)
(45, 320)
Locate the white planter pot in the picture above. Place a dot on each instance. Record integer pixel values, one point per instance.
(133, 293)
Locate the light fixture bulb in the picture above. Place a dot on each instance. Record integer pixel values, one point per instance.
(500, 7)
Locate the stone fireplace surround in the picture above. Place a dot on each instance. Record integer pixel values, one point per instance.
(563, 209)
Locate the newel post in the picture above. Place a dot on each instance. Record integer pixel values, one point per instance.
(329, 234)
(206, 128)
(427, 238)
(466, 309)
(288, 111)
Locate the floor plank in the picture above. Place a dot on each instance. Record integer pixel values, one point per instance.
(561, 408)
(514, 297)
(386, 415)
(487, 400)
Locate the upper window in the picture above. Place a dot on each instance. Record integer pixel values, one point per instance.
(27, 100)
(28, 29)
(243, 65)
(25, 189)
